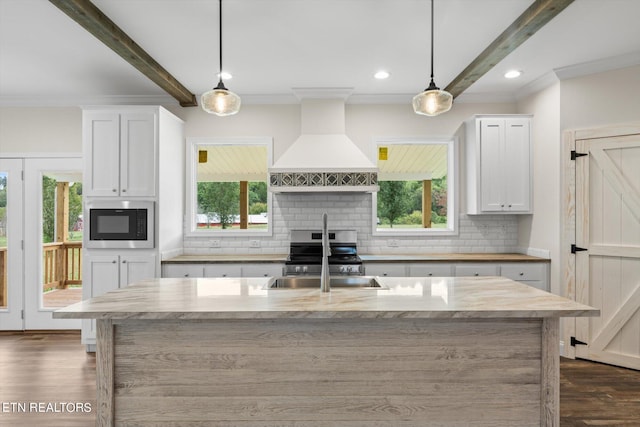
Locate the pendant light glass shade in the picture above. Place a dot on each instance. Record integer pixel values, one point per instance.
(220, 100)
(432, 101)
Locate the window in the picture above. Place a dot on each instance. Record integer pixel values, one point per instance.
(227, 186)
(417, 180)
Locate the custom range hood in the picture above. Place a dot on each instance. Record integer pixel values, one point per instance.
(323, 158)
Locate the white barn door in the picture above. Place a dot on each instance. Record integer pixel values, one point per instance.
(608, 227)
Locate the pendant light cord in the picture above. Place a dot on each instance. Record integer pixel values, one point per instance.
(431, 40)
(220, 39)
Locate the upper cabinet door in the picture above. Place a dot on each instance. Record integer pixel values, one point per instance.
(518, 165)
(138, 154)
(498, 155)
(101, 142)
(121, 154)
(491, 160)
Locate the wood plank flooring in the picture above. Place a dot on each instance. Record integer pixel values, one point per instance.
(50, 371)
(53, 368)
(595, 394)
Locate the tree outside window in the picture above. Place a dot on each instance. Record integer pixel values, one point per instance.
(415, 193)
(228, 192)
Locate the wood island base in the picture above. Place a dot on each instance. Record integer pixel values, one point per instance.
(315, 372)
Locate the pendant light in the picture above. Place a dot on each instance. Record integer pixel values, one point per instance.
(432, 101)
(220, 100)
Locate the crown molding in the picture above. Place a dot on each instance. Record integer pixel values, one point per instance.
(599, 66)
(322, 92)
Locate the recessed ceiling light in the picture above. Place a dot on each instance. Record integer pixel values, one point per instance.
(381, 75)
(512, 74)
(225, 75)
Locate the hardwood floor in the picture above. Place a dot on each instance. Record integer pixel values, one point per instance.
(594, 394)
(53, 370)
(45, 372)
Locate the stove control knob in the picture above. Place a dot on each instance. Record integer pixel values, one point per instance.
(304, 269)
(344, 269)
(355, 269)
(297, 269)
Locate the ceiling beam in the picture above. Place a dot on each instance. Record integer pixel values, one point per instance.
(104, 29)
(526, 25)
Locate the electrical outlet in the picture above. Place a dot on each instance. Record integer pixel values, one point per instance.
(393, 243)
(215, 243)
(254, 243)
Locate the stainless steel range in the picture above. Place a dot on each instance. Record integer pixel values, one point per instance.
(305, 253)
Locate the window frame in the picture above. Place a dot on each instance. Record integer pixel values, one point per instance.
(191, 203)
(453, 196)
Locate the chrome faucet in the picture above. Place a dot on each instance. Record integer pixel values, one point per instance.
(325, 285)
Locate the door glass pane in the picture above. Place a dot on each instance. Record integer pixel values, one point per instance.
(4, 176)
(61, 239)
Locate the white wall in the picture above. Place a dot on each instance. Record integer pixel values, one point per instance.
(601, 99)
(40, 130)
(542, 229)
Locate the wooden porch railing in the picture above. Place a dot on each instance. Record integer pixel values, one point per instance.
(61, 264)
(61, 267)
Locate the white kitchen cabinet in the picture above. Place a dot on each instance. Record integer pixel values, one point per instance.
(262, 270)
(488, 269)
(223, 270)
(430, 269)
(120, 149)
(498, 164)
(183, 270)
(390, 269)
(109, 271)
(532, 274)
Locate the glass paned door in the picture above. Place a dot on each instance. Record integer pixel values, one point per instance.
(11, 238)
(53, 240)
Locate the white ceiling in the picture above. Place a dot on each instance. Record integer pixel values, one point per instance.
(273, 46)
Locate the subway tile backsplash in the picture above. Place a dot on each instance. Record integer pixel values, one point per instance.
(483, 233)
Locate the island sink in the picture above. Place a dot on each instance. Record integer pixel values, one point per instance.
(309, 282)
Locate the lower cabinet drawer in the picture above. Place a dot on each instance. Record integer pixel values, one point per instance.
(476, 270)
(223, 270)
(385, 270)
(430, 270)
(523, 271)
(182, 270)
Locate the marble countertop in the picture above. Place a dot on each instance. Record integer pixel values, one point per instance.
(453, 257)
(215, 259)
(439, 257)
(247, 298)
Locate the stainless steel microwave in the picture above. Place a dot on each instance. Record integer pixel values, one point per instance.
(120, 224)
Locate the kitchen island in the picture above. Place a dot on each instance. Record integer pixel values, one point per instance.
(465, 351)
